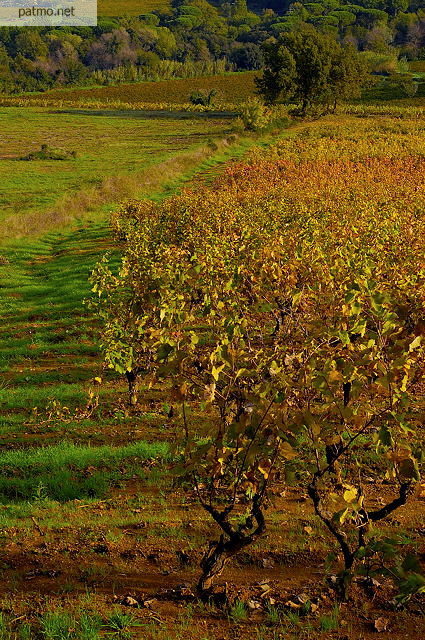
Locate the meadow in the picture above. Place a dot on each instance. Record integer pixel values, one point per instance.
(39, 194)
(98, 540)
(120, 8)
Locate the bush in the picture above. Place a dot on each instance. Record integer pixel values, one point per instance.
(403, 83)
(204, 98)
(47, 153)
(255, 115)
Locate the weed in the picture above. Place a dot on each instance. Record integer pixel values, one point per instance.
(330, 622)
(5, 634)
(272, 615)
(120, 624)
(238, 612)
(89, 627)
(25, 632)
(291, 619)
(57, 626)
(62, 626)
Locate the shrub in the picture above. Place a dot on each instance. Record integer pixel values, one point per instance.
(47, 153)
(254, 115)
(203, 97)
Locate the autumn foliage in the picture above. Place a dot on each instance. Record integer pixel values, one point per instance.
(284, 309)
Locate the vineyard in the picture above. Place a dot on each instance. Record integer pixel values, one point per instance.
(242, 382)
(231, 88)
(288, 320)
(230, 92)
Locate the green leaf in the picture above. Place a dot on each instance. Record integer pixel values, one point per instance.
(344, 337)
(384, 436)
(164, 350)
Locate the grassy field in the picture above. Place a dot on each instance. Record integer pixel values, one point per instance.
(88, 514)
(116, 155)
(120, 8)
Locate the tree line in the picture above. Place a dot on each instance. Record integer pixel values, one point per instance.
(194, 35)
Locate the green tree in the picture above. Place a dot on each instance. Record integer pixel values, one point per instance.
(280, 73)
(310, 69)
(30, 44)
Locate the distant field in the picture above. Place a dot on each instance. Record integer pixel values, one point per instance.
(417, 65)
(233, 88)
(130, 7)
(112, 149)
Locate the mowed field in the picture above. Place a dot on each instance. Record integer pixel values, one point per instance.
(89, 513)
(120, 8)
(115, 152)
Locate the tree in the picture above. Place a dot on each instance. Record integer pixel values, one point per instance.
(30, 44)
(279, 75)
(347, 76)
(248, 56)
(310, 69)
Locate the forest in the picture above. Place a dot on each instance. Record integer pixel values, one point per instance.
(198, 38)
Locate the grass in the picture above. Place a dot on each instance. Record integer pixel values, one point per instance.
(67, 471)
(238, 612)
(68, 454)
(57, 626)
(120, 8)
(120, 624)
(114, 153)
(330, 622)
(47, 345)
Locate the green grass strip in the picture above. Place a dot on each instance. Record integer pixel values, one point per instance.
(67, 471)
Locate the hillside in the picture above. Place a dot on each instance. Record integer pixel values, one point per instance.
(197, 38)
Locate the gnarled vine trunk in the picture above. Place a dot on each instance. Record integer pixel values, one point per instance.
(215, 559)
(132, 379)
